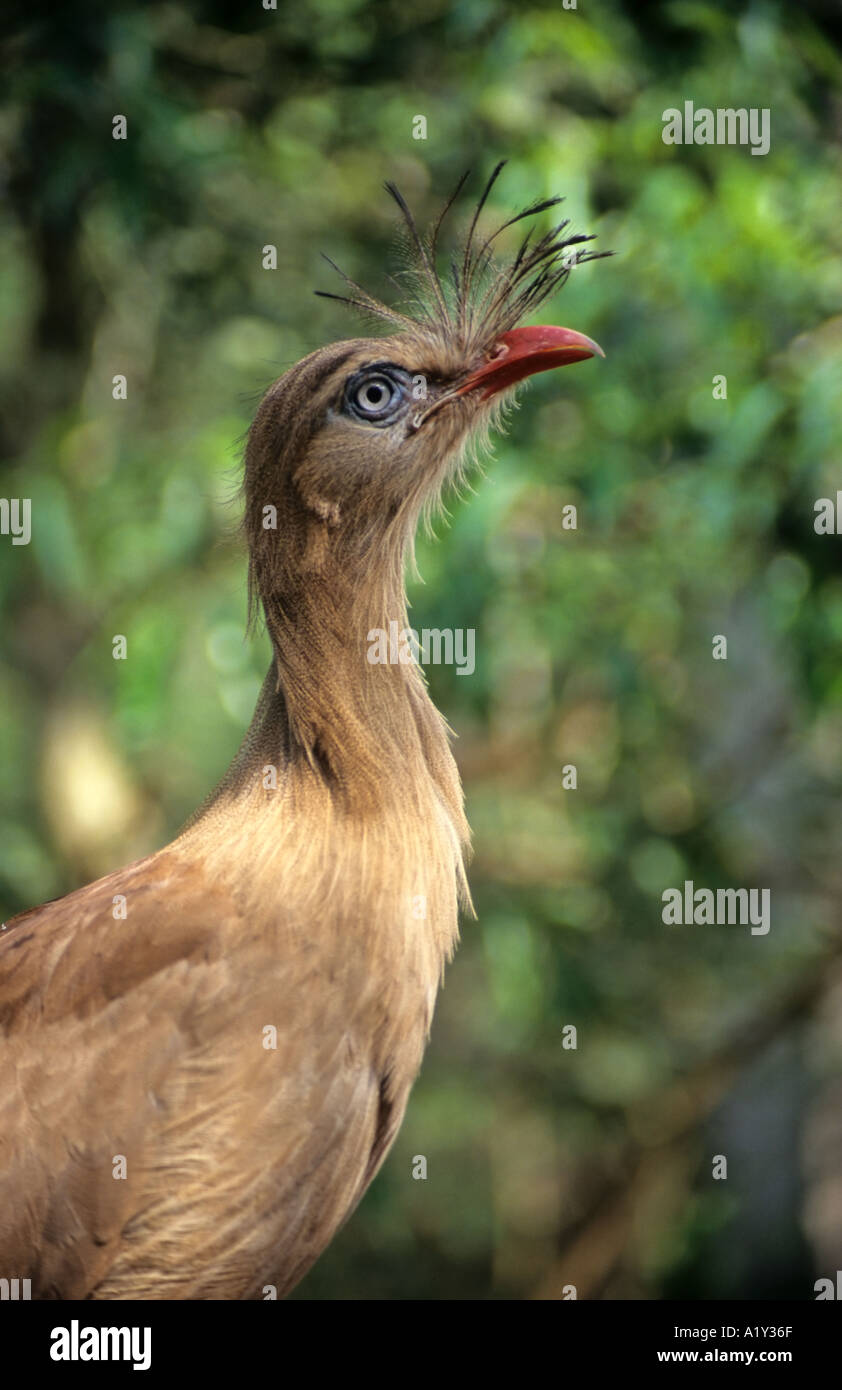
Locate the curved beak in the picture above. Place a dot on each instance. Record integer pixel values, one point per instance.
(524, 351)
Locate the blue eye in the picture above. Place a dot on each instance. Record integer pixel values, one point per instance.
(374, 396)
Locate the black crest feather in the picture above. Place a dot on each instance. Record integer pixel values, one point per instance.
(482, 298)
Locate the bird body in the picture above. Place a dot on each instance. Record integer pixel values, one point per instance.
(243, 1045)
(207, 1054)
(151, 1032)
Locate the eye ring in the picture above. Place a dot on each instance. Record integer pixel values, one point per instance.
(375, 395)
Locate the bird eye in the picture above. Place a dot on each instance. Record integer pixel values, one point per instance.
(374, 396)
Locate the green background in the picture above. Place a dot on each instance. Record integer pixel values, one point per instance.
(546, 1166)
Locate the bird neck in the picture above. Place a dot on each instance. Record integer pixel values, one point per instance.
(343, 702)
(345, 771)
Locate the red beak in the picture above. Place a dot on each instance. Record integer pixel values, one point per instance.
(525, 351)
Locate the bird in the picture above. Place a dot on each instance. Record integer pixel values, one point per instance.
(205, 1056)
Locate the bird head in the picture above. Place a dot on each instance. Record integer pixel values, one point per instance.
(355, 441)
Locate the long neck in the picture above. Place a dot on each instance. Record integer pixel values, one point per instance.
(349, 716)
(365, 728)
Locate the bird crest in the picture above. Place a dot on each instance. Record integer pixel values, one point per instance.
(480, 298)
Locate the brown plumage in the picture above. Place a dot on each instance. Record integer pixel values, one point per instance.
(323, 907)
